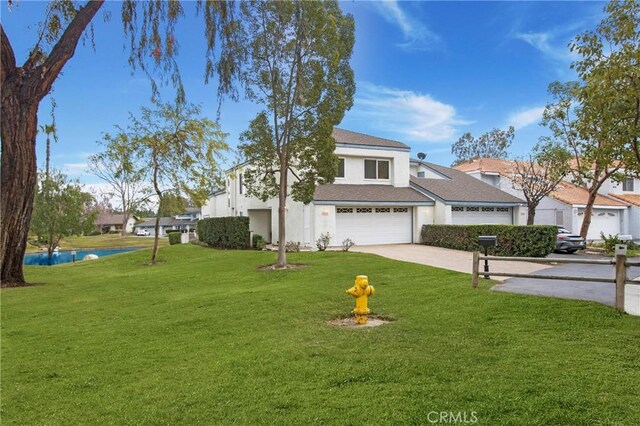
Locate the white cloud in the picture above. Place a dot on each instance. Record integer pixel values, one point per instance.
(547, 44)
(525, 117)
(416, 35)
(411, 115)
(74, 170)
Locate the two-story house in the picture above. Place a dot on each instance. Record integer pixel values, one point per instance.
(380, 196)
(613, 214)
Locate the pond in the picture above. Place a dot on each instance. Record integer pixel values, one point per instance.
(65, 256)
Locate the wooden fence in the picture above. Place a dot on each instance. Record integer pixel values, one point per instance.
(620, 261)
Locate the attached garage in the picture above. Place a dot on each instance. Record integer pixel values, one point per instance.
(606, 221)
(476, 215)
(368, 225)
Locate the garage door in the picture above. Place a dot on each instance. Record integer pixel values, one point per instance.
(602, 220)
(481, 215)
(373, 225)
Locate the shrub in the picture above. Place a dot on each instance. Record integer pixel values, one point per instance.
(323, 242)
(175, 238)
(292, 246)
(611, 241)
(94, 233)
(260, 244)
(347, 244)
(231, 232)
(172, 231)
(255, 240)
(513, 240)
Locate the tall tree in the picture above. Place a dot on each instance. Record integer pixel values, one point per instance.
(296, 63)
(597, 118)
(61, 209)
(539, 174)
(150, 28)
(120, 168)
(180, 149)
(493, 144)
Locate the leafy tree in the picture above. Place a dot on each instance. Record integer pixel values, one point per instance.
(597, 117)
(61, 209)
(540, 174)
(493, 144)
(150, 29)
(120, 168)
(180, 149)
(296, 63)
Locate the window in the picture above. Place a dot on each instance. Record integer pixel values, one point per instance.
(473, 209)
(421, 174)
(344, 210)
(559, 217)
(488, 209)
(376, 169)
(627, 184)
(457, 209)
(340, 168)
(503, 209)
(364, 210)
(401, 210)
(241, 183)
(383, 210)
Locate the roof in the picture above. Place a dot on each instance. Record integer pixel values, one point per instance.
(165, 221)
(629, 198)
(368, 193)
(575, 195)
(460, 187)
(487, 165)
(110, 219)
(354, 138)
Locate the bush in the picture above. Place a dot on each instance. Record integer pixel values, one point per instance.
(255, 241)
(347, 244)
(323, 242)
(513, 240)
(94, 233)
(292, 246)
(172, 231)
(175, 238)
(611, 241)
(231, 232)
(260, 245)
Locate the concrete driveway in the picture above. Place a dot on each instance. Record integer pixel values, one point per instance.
(454, 260)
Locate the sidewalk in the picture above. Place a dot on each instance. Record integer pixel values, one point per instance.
(454, 260)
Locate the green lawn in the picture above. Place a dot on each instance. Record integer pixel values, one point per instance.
(206, 338)
(104, 241)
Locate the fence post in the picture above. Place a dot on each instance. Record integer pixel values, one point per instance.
(476, 266)
(621, 275)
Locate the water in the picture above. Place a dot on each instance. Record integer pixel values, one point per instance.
(65, 256)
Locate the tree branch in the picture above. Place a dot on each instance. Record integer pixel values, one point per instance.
(8, 58)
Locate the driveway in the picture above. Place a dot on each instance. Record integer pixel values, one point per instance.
(454, 260)
(598, 292)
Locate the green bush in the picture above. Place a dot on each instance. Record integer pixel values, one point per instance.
(512, 240)
(173, 231)
(612, 241)
(231, 232)
(255, 241)
(175, 238)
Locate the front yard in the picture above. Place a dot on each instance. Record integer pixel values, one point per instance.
(206, 338)
(104, 241)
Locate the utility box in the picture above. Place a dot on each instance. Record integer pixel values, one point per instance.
(621, 250)
(184, 238)
(487, 241)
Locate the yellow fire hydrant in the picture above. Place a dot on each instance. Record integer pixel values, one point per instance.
(361, 290)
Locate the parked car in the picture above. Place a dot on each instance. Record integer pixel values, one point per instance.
(142, 233)
(568, 242)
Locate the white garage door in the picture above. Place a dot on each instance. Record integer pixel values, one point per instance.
(373, 225)
(602, 220)
(481, 215)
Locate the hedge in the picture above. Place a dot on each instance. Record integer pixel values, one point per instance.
(175, 238)
(230, 232)
(512, 240)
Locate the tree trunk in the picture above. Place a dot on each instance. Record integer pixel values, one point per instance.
(531, 213)
(282, 212)
(48, 157)
(18, 181)
(586, 220)
(154, 253)
(156, 166)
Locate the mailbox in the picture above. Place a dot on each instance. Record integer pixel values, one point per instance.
(487, 241)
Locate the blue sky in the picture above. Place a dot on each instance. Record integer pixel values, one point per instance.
(426, 72)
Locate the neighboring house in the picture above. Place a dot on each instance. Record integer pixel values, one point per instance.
(185, 222)
(629, 192)
(108, 222)
(611, 215)
(377, 198)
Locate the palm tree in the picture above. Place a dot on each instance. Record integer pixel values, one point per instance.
(49, 130)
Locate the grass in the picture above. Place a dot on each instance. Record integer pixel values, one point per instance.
(206, 338)
(104, 241)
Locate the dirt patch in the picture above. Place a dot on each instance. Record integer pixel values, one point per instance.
(350, 322)
(6, 286)
(287, 267)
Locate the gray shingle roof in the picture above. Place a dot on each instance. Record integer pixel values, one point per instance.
(355, 138)
(165, 221)
(461, 187)
(366, 193)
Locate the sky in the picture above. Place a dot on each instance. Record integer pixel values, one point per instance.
(426, 72)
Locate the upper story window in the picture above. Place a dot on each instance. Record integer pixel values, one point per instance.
(627, 184)
(340, 168)
(376, 169)
(421, 174)
(240, 183)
